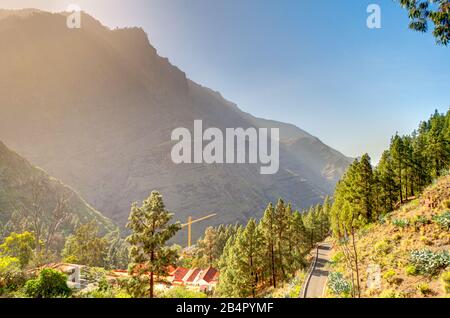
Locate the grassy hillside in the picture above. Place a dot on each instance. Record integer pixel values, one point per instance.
(17, 179)
(410, 245)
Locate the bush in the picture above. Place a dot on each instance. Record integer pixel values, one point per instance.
(182, 292)
(428, 262)
(411, 270)
(390, 277)
(400, 223)
(389, 293)
(11, 275)
(443, 220)
(445, 279)
(49, 284)
(425, 240)
(420, 221)
(382, 248)
(446, 204)
(424, 289)
(338, 285)
(337, 258)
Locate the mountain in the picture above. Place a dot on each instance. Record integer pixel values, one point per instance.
(96, 107)
(18, 182)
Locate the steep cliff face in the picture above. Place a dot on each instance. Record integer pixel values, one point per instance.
(96, 107)
(23, 186)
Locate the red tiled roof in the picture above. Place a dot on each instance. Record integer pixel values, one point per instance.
(179, 274)
(194, 273)
(210, 274)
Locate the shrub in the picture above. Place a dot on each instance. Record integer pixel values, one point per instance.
(445, 279)
(182, 292)
(443, 220)
(428, 262)
(425, 240)
(397, 237)
(337, 258)
(411, 270)
(390, 277)
(420, 221)
(11, 275)
(389, 293)
(382, 247)
(383, 219)
(400, 223)
(424, 289)
(338, 285)
(446, 204)
(49, 284)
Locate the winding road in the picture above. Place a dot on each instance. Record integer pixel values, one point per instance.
(315, 285)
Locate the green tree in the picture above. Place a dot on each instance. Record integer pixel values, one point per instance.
(423, 12)
(19, 246)
(207, 248)
(299, 240)
(267, 230)
(228, 282)
(86, 246)
(249, 259)
(281, 230)
(151, 229)
(117, 251)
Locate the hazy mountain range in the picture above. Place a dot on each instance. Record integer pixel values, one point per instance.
(95, 108)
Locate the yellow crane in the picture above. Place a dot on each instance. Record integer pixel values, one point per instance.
(190, 222)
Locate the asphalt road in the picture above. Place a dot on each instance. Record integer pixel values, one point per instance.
(316, 285)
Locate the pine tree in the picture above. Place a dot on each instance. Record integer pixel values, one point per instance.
(267, 229)
(281, 226)
(228, 263)
(151, 229)
(248, 249)
(299, 240)
(398, 157)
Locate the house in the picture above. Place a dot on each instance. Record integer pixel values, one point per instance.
(191, 277)
(204, 280)
(176, 277)
(208, 279)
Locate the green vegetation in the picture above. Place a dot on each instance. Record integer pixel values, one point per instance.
(423, 12)
(338, 285)
(366, 195)
(411, 270)
(49, 284)
(19, 246)
(429, 262)
(151, 230)
(11, 275)
(445, 279)
(443, 220)
(424, 289)
(268, 253)
(182, 292)
(400, 223)
(86, 247)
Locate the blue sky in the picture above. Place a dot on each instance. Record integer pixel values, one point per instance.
(311, 63)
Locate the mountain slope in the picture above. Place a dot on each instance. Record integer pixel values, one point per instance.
(17, 179)
(96, 107)
(420, 225)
